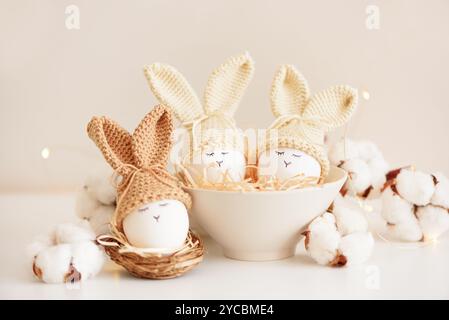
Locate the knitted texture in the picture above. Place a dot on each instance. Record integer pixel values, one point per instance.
(211, 124)
(302, 121)
(140, 159)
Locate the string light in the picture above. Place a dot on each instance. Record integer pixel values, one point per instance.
(45, 153)
(365, 95)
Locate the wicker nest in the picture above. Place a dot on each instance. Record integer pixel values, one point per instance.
(155, 265)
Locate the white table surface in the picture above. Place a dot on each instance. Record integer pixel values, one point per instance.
(392, 272)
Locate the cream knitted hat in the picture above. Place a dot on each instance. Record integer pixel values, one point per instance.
(302, 120)
(140, 159)
(210, 125)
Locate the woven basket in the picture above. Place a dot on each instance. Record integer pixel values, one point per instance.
(156, 265)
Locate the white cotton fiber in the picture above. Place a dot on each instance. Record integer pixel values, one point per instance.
(359, 175)
(367, 150)
(349, 216)
(328, 218)
(323, 239)
(101, 218)
(100, 187)
(441, 194)
(96, 201)
(72, 233)
(395, 209)
(343, 150)
(54, 263)
(409, 230)
(415, 186)
(356, 247)
(376, 222)
(85, 204)
(40, 243)
(434, 221)
(87, 258)
(379, 168)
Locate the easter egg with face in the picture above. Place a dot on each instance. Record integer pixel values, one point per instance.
(286, 163)
(160, 224)
(215, 165)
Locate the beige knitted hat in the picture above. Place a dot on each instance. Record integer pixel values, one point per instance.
(140, 159)
(302, 120)
(210, 125)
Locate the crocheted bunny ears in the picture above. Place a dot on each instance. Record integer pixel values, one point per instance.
(302, 120)
(140, 158)
(211, 124)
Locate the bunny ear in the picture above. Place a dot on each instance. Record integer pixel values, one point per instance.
(113, 141)
(227, 83)
(333, 106)
(172, 89)
(289, 91)
(151, 141)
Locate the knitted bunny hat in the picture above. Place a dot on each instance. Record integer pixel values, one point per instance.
(140, 159)
(211, 124)
(302, 120)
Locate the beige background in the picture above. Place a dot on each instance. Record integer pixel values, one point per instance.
(52, 80)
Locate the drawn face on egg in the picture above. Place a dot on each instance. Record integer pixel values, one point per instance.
(285, 163)
(220, 161)
(159, 224)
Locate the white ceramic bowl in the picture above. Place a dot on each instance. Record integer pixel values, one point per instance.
(260, 226)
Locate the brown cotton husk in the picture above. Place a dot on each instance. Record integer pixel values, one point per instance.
(36, 270)
(251, 183)
(339, 261)
(306, 235)
(73, 275)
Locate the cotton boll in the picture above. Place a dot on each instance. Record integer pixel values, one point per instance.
(343, 150)
(99, 186)
(395, 209)
(368, 150)
(101, 218)
(349, 216)
(322, 239)
(406, 231)
(87, 259)
(441, 194)
(72, 233)
(53, 263)
(415, 186)
(434, 221)
(378, 167)
(359, 175)
(356, 247)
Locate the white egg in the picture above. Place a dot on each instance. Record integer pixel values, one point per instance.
(214, 164)
(285, 163)
(160, 224)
